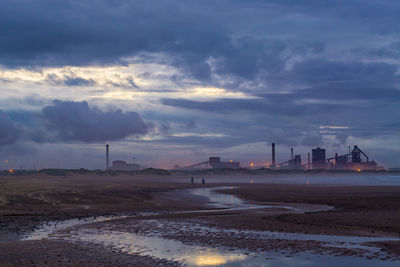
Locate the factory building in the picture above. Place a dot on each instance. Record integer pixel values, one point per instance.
(120, 165)
(216, 163)
(355, 160)
(295, 163)
(318, 158)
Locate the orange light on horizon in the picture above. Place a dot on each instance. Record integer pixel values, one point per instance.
(358, 170)
(11, 170)
(252, 164)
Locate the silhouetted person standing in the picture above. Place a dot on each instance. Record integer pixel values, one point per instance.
(192, 180)
(203, 180)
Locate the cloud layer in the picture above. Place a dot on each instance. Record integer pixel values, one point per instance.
(76, 121)
(69, 121)
(211, 76)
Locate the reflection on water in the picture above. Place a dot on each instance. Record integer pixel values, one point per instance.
(154, 246)
(218, 200)
(213, 259)
(231, 202)
(44, 230)
(194, 255)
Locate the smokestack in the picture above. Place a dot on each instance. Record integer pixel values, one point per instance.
(292, 152)
(107, 156)
(273, 155)
(309, 162)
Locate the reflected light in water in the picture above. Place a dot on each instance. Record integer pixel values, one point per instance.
(213, 259)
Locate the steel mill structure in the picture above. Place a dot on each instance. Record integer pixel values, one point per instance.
(355, 160)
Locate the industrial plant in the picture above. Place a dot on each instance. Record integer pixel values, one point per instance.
(355, 160)
(120, 165)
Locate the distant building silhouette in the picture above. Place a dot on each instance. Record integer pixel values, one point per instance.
(295, 163)
(120, 165)
(216, 163)
(318, 158)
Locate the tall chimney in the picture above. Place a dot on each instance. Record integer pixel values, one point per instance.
(292, 151)
(309, 162)
(107, 156)
(273, 155)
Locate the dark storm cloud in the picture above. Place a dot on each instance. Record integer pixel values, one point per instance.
(348, 75)
(74, 32)
(76, 121)
(244, 121)
(362, 96)
(44, 32)
(191, 32)
(9, 131)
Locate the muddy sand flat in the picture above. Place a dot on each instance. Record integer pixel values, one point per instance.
(26, 202)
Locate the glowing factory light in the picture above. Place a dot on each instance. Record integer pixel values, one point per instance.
(358, 170)
(231, 160)
(11, 170)
(252, 164)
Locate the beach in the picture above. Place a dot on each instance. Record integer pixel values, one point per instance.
(286, 219)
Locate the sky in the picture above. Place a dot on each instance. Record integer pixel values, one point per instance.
(174, 82)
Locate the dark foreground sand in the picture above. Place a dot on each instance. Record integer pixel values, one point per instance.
(25, 202)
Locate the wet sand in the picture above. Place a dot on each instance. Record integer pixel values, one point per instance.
(26, 202)
(366, 211)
